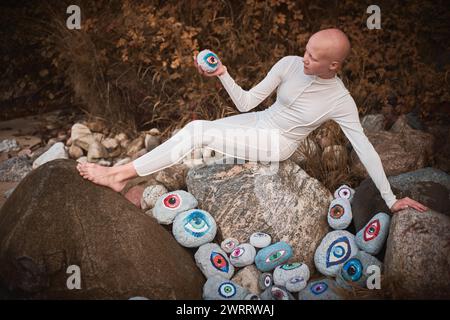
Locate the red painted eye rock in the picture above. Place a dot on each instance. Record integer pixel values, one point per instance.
(372, 230)
(172, 201)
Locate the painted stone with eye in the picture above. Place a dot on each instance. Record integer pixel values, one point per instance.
(212, 260)
(276, 293)
(272, 256)
(218, 288)
(260, 240)
(344, 192)
(172, 203)
(354, 271)
(339, 214)
(295, 274)
(243, 255)
(265, 280)
(320, 289)
(229, 244)
(335, 249)
(193, 228)
(208, 60)
(371, 238)
(252, 296)
(296, 284)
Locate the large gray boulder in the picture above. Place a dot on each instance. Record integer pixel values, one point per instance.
(417, 261)
(55, 219)
(289, 205)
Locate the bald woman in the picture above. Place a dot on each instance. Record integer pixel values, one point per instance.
(308, 94)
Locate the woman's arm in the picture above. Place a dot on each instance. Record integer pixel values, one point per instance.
(346, 115)
(247, 100)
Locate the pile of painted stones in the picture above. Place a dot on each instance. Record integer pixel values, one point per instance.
(347, 258)
(340, 255)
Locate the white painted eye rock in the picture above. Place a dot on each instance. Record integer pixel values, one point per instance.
(193, 228)
(208, 61)
(276, 293)
(320, 289)
(212, 260)
(339, 214)
(229, 244)
(295, 274)
(335, 249)
(170, 204)
(265, 280)
(218, 288)
(371, 238)
(260, 240)
(355, 271)
(344, 192)
(243, 255)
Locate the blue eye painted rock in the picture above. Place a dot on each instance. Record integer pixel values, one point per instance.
(260, 240)
(218, 288)
(354, 272)
(334, 250)
(229, 244)
(265, 280)
(208, 60)
(212, 260)
(344, 192)
(243, 255)
(339, 214)
(371, 238)
(193, 228)
(272, 256)
(320, 289)
(296, 274)
(296, 284)
(276, 293)
(170, 204)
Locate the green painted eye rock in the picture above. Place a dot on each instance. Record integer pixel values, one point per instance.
(272, 256)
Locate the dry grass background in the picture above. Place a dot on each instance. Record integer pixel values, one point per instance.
(132, 62)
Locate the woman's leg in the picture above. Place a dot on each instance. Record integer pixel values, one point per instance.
(236, 136)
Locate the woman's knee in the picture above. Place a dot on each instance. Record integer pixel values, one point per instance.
(196, 125)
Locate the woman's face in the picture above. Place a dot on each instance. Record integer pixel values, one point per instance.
(315, 59)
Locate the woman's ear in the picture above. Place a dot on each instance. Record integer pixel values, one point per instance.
(334, 66)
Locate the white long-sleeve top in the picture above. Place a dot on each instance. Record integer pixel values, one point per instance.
(303, 103)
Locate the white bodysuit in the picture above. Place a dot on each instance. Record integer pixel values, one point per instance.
(302, 104)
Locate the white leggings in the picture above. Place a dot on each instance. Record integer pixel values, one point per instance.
(243, 136)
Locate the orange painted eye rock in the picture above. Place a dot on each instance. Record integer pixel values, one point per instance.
(172, 201)
(337, 211)
(372, 230)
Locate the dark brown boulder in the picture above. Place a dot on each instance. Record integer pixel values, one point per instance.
(55, 219)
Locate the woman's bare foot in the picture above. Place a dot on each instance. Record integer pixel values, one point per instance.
(104, 176)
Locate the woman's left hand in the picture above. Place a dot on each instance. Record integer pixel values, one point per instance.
(405, 203)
